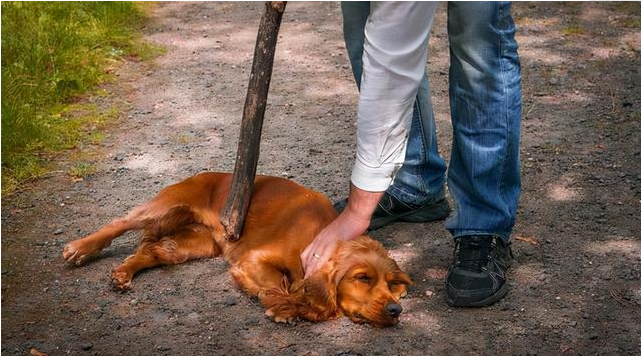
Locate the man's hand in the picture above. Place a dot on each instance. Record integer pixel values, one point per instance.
(351, 223)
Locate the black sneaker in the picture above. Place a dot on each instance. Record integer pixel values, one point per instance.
(477, 277)
(390, 209)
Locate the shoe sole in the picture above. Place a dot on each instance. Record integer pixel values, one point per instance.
(437, 211)
(482, 303)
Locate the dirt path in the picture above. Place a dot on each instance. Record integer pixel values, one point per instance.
(577, 290)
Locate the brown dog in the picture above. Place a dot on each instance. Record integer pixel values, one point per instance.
(183, 223)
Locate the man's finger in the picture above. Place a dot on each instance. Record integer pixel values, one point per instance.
(308, 263)
(314, 265)
(310, 268)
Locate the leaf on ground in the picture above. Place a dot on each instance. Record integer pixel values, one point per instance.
(35, 352)
(531, 240)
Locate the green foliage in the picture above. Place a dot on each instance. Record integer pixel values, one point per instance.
(627, 7)
(632, 22)
(574, 29)
(82, 170)
(52, 52)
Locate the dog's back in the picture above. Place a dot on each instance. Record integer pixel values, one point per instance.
(281, 213)
(183, 222)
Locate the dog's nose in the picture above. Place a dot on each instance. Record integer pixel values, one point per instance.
(394, 309)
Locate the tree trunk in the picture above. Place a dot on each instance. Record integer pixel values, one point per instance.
(237, 204)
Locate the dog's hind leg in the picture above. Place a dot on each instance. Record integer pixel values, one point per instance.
(78, 251)
(190, 242)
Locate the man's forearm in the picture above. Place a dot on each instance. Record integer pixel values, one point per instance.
(361, 205)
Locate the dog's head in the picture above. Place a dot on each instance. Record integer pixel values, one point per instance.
(361, 282)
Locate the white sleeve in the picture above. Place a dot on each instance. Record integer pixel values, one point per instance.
(394, 60)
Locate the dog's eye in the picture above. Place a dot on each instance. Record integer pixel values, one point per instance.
(363, 278)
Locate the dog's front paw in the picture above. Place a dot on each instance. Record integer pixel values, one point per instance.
(280, 316)
(121, 280)
(77, 252)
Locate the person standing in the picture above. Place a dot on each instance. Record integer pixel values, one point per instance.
(398, 174)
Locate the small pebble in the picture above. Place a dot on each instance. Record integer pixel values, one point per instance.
(58, 231)
(429, 293)
(86, 346)
(133, 302)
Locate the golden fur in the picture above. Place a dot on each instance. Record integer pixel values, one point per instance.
(182, 223)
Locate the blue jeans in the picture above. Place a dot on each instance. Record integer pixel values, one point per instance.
(485, 99)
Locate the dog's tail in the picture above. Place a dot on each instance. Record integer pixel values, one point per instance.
(169, 221)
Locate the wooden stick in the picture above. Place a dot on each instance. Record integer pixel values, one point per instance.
(237, 204)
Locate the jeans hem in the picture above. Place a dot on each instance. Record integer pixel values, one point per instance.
(504, 235)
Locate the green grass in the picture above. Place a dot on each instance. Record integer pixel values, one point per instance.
(632, 22)
(626, 7)
(82, 170)
(53, 53)
(574, 29)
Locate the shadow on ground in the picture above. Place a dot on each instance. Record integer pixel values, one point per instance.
(576, 281)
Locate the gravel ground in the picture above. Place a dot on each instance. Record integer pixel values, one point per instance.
(576, 281)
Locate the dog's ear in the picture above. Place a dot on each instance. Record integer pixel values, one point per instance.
(320, 290)
(313, 299)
